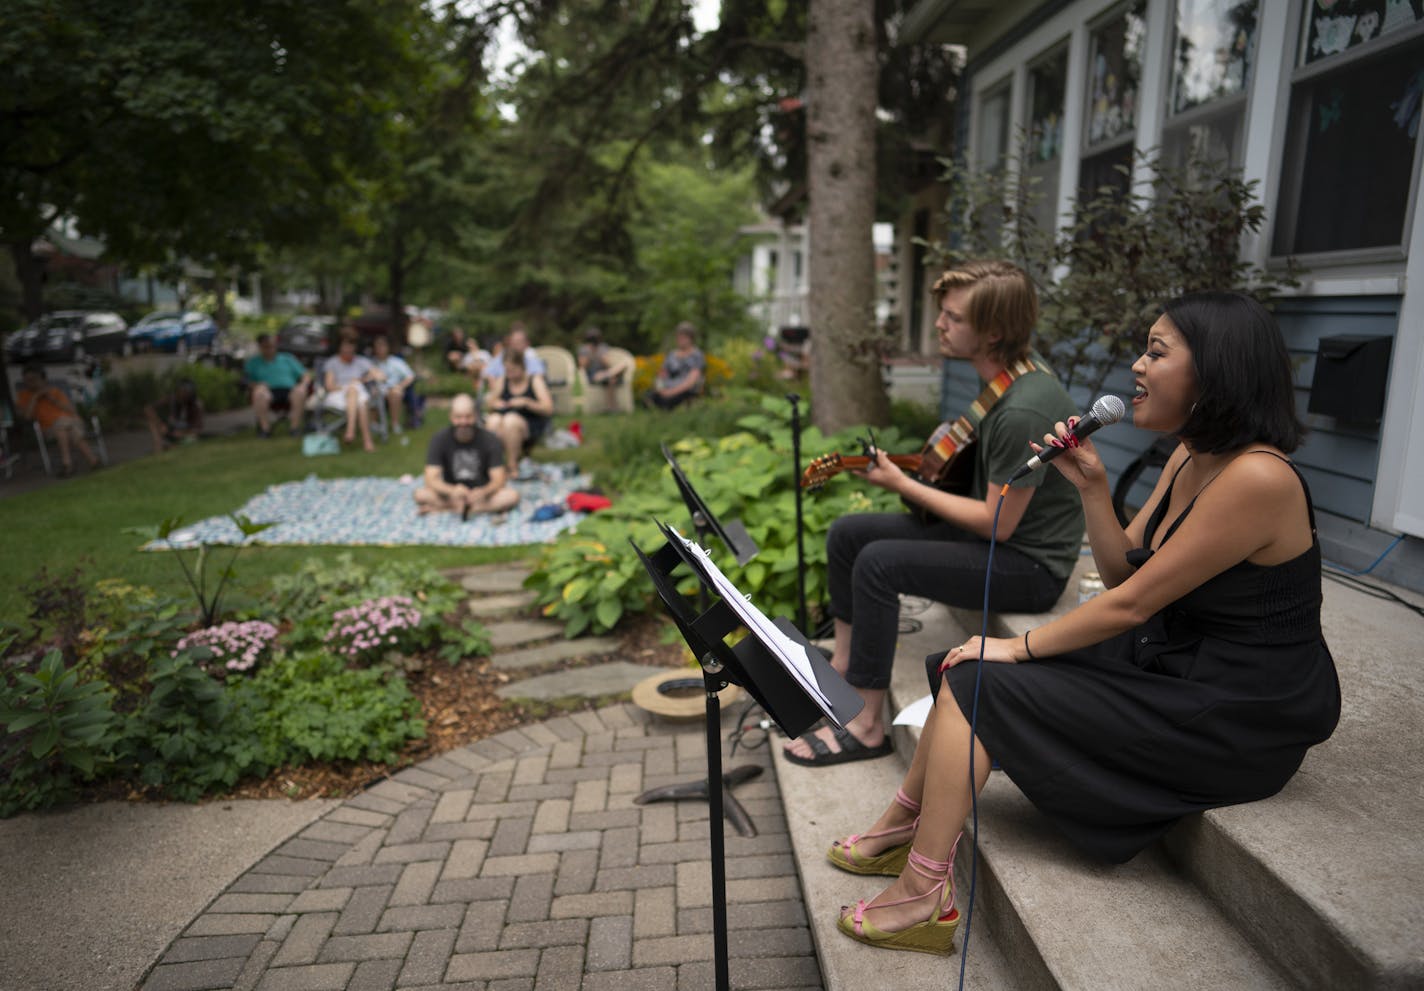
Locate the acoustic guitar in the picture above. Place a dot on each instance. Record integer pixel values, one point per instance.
(945, 461)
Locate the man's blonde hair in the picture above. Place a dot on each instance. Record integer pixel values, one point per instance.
(1001, 301)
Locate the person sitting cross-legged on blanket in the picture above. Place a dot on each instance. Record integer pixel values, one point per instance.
(464, 467)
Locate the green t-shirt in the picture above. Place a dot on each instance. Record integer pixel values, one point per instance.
(1051, 531)
(282, 372)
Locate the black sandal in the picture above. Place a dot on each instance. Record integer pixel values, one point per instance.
(851, 749)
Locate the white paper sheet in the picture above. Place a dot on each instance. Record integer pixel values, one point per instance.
(791, 654)
(915, 713)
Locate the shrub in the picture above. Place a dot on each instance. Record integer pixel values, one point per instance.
(59, 731)
(310, 707)
(444, 384)
(590, 580)
(1121, 257)
(122, 398)
(188, 738)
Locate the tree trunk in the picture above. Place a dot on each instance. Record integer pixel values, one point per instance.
(841, 70)
(30, 271)
(397, 290)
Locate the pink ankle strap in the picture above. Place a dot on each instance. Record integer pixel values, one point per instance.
(933, 870)
(939, 871)
(905, 801)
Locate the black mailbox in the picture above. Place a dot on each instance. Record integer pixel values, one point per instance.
(1350, 375)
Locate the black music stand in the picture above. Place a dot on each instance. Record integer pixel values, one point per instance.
(734, 535)
(754, 664)
(736, 539)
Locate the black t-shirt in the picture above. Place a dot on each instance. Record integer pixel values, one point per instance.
(468, 463)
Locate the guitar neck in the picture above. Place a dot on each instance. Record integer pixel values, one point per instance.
(824, 468)
(857, 462)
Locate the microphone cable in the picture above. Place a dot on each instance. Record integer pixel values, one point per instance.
(973, 735)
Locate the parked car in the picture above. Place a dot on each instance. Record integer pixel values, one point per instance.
(69, 335)
(308, 337)
(164, 330)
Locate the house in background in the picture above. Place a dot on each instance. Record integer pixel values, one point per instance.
(773, 271)
(1319, 103)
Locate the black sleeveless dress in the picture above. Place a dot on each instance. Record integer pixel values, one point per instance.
(538, 423)
(1213, 702)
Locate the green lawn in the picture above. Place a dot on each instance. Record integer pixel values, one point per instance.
(81, 521)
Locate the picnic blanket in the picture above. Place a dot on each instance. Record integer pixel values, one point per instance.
(381, 512)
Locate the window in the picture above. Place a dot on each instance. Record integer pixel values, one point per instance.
(993, 145)
(1215, 49)
(992, 149)
(1043, 138)
(1115, 70)
(1352, 152)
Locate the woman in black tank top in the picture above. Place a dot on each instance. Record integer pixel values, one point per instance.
(519, 409)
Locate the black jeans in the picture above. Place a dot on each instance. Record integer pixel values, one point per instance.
(873, 558)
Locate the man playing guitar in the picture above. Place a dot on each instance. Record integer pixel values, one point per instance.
(987, 312)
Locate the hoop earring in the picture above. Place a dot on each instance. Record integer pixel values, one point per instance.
(1192, 410)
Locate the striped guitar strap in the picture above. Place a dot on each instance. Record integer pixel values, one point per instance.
(953, 437)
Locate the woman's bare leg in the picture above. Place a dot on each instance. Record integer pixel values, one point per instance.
(939, 779)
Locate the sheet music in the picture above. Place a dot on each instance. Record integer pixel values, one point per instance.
(791, 654)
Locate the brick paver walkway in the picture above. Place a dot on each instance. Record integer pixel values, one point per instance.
(518, 862)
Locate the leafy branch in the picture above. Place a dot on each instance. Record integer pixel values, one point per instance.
(197, 574)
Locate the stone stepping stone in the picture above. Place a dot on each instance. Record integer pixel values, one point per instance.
(596, 681)
(550, 653)
(499, 604)
(518, 632)
(495, 579)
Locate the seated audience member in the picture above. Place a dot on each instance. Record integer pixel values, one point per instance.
(477, 359)
(599, 369)
(399, 382)
(793, 347)
(684, 369)
(455, 347)
(515, 342)
(175, 418)
(48, 406)
(346, 378)
(520, 407)
(279, 383)
(464, 470)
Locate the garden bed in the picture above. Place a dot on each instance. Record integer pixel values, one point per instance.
(459, 706)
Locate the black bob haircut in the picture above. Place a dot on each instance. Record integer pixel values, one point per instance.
(1247, 395)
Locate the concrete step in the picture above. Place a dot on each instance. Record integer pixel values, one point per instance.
(491, 579)
(550, 653)
(490, 606)
(823, 805)
(508, 633)
(596, 681)
(1330, 872)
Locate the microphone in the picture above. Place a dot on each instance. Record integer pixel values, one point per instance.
(1108, 409)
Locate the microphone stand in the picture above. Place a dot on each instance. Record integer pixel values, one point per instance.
(795, 399)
